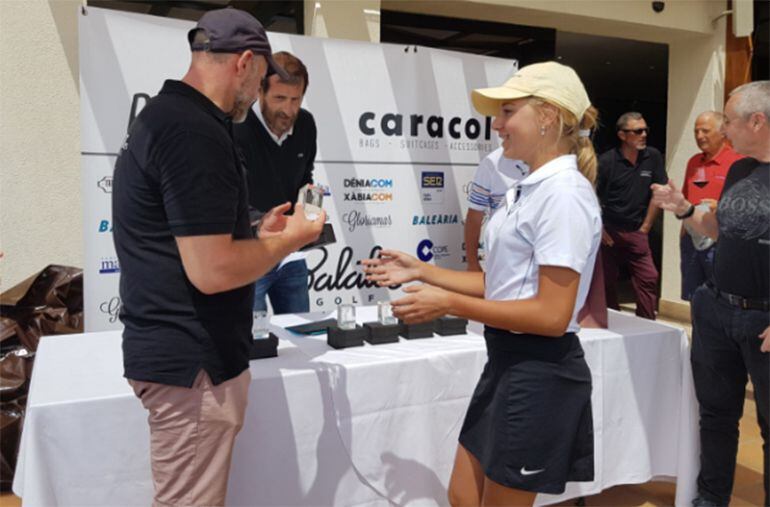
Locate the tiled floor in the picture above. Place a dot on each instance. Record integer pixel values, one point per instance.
(748, 489)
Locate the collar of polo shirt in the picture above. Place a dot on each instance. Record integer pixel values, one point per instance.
(562, 163)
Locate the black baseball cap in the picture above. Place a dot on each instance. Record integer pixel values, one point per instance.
(234, 31)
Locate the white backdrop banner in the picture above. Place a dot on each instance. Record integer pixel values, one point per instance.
(398, 143)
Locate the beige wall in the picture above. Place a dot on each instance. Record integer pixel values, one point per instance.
(40, 209)
(343, 19)
(695, 72)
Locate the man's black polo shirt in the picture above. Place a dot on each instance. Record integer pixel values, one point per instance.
(624, 189)
(178, 174)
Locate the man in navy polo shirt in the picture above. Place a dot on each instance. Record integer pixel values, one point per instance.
(623, 187)
(189, 259)
(278, 140)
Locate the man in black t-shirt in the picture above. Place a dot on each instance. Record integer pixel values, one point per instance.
(189, 259)
(731, 313)
(278, 140)
(623, 186)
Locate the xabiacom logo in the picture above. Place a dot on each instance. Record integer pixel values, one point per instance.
(368, 190)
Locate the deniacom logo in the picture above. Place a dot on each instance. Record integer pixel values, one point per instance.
(368, 190)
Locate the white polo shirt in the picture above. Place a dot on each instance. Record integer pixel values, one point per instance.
(494, 176)
(550, 218)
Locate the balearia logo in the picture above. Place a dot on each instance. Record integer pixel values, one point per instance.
(105, 226)
(356, 219)
(111, 308)
(105, 184)
(427, 251)
(417, 125)
(109, 265)
(368, 190)
(432, 187)
(437, 219)
(329, 282)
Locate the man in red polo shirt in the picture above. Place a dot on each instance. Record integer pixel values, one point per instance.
(703, 182)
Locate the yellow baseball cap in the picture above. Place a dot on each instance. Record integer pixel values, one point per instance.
(551, 81)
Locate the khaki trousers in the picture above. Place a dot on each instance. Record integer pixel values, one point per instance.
(192, 431)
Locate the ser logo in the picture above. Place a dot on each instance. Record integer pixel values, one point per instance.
(427, 251)
(432, 187)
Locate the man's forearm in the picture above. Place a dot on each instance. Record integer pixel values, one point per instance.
(473, 222)
(219, 263)
(649, 218)
(705, 223)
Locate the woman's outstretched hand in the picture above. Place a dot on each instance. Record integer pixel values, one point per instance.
(392, 268)
(422, 303)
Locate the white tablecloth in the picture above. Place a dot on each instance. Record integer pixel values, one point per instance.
(371, 425)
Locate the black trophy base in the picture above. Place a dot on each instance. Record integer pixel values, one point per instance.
(415, 331)
(378, 333)
(264, 347)
(446, 326)
(344, 338)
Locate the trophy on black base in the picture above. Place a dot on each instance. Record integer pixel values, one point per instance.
(263, 342)
(385, 329)
(311, 198)
(415, 331)
(449, 325)
(346, 333)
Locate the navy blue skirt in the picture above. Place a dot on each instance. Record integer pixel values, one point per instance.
(529, 422)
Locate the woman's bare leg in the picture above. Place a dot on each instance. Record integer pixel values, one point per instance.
(495, 494)
(467, 481)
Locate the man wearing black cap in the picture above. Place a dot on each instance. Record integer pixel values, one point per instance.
(189, 259)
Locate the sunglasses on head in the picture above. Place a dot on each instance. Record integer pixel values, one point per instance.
(637, 132)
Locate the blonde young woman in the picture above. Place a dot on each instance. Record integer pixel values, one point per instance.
(529, 427)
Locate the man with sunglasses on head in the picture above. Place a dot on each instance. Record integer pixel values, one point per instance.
(623, 187)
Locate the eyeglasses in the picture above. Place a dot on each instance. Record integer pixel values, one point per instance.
(637, 132)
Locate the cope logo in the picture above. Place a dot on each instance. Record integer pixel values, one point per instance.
(105, 184)
(427, 251)
(109, 265)
(432, 187)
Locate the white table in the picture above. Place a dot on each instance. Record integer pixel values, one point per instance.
(372, 425)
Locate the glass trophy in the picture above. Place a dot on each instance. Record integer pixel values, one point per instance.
(260, 327)
(311, 197)
(385, 314)
(346, 317)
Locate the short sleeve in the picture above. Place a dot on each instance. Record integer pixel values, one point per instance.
(566, 229)
(481, 186)
(200, 184)
(661, 177)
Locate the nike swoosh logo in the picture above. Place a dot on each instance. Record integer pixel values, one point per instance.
(524, 471)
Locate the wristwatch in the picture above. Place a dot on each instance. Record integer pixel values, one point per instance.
(686, 214)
